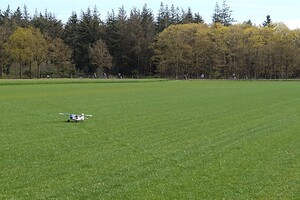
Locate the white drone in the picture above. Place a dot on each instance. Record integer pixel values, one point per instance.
(76, 117)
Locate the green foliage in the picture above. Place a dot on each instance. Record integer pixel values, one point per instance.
(48, 24)
(150, 140)
(89, 31)
(27, 46)
(40, 50)
(60, 56)
(117, 36)
(172, 16)
(244, 50)
(268, 22)
(135, 43)
(20, 46)
(71, 37)
(4, 56)
(222, 15)
(100, 56)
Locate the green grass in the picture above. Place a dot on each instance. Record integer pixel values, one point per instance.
(150, 140)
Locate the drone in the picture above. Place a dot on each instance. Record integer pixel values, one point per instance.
(76, 117)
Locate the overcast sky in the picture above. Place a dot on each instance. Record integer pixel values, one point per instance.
(256, 10)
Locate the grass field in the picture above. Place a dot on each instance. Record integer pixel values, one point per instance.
(150, 140)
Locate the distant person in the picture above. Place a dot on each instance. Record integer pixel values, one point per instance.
(233, 76)
(120, 75)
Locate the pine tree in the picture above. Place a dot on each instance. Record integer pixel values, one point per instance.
(111, 35)
(48, 24)
(149, 34)
(163, 18)
(222, 15)
(26, 16)
(217, 18)
(174, 15)
(226, 13)
(116, 38)
(187, 17)
(268, 22)
(198, 19)
(249, 22)
(135, 39)
(89, 31)
(17, 17)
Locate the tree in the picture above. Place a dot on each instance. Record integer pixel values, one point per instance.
(168, 51)
(40, 47)
(111, 34)
(249, 23)
(163, 18)
(138, 44)
(5, 32)
(217, 17)
(203, 51)
(17, 17)
(71, 37)
(223, 15)
(226, 14)
(28, 46)
(87, 32)
(26, 15)
(20, 47)
(187, 17)
(100, 56)
(60, 56)
(48, 24)
(117, 39)
(174, 49)
(268, 22)
(220, 50)
(235, 48)
(174, 15)
(198, 18)
(135, 39)
(149, 34)
(7, 13)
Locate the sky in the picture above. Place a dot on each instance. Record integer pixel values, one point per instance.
(256, 10)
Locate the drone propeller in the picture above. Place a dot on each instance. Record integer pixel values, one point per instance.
(64, 113)
(86, 115)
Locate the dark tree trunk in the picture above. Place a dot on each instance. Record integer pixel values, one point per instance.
(30, 70)
(1, 70)
(20, 70)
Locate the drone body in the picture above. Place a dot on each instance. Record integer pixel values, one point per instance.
(76, 117)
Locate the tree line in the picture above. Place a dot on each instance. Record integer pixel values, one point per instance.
(175, 43)
(237, 51)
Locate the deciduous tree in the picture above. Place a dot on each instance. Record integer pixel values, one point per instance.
(20, 47)
(40, 48)
(100, 57)
(60, 56)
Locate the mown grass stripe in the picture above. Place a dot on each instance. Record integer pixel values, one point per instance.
(156, 140)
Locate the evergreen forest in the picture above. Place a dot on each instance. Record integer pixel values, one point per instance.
(174, 43)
